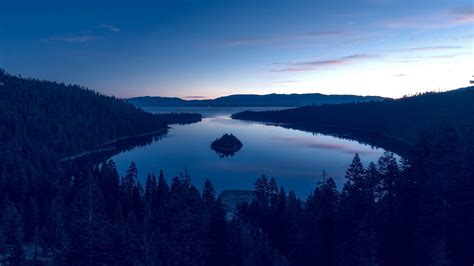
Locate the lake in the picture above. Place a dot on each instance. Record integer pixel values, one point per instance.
(294, 158)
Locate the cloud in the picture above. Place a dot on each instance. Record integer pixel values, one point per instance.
(400, 75)
(416, 59)
(464, 37)
(108, 27)
(317, 64)
(292, 69)
(463, 15)
(427, 48)
(456, 17)
(74, 38)
(279, 38)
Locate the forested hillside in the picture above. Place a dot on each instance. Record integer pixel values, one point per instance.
(404, 118)
(64, 119)
(413, 212)
(41, 122)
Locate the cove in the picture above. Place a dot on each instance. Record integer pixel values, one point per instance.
(295, 158)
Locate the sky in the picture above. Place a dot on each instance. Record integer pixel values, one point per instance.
(206, 49)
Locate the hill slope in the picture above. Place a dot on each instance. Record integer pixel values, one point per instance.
(41, 121)
(255, 100)
(404, 118)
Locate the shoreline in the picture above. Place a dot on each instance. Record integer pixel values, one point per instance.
(344, 132)
(108, 146)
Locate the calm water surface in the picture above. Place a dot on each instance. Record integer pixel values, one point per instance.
(295, 158)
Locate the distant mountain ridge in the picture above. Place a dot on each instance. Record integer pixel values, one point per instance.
(253, 100)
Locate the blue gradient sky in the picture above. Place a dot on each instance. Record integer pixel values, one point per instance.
(205, 49)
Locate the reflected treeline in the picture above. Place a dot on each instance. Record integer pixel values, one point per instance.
(129, 143)
(180, 118)
(373, 139)
(112, 149)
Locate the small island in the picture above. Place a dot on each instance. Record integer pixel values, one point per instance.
(227, 145)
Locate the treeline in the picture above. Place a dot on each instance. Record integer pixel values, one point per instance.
(404, 118)
(414, 212)
(97, 218)
(64, 119)
(42, 122)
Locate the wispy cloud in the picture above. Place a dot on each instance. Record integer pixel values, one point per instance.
(455, 17)
(415, 59)
(73, 38)
(317, 64)
(292, 69)
(427, 48)
(463, 15)
(279, 38)
(108, 27)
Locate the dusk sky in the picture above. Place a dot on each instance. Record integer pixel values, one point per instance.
(206, 49)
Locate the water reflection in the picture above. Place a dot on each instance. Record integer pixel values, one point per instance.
(295, 158)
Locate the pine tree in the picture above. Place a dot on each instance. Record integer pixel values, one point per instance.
(120, 242)
(356, 229)
(281, 200)
(217, 242)
(273, 192)
(319, 246)
(208, 193)
(149, 188)
(109, 184)
(162, 192)
(54, 235)
(89, 236)
(261, 192)
(389, 171)
(355, 173)
(129, 181)
(372, 182)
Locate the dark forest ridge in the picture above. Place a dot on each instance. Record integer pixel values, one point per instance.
(404, 118)
(44, 121)
(252, 100)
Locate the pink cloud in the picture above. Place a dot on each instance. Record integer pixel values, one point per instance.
(317, 64)
(457, 17)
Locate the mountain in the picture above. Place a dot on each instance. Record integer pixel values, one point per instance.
(293, 100)
(404, 119)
